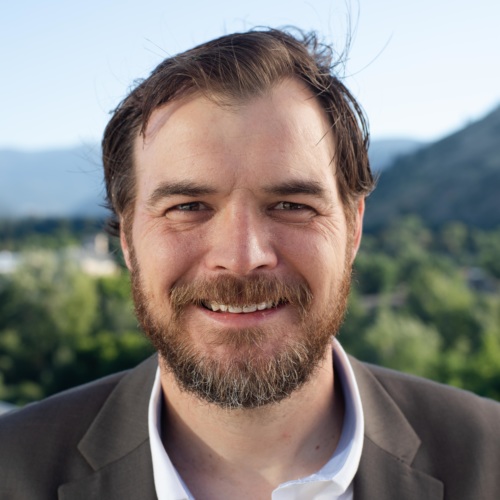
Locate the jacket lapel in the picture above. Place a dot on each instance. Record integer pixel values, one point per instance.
(129, 478)
(382, 476)
(116, 445)
(385, 471)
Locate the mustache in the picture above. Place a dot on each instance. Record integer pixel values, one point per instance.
(227, 289)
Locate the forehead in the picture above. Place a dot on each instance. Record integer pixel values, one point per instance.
(284, 132)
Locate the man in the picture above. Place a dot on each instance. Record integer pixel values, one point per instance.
(237, 173)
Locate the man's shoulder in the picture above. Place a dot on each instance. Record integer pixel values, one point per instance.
(73, 407)
(47, 435)
(440, 414)
(435, 432)
(70, 404)
(53, 426)
(416, 393)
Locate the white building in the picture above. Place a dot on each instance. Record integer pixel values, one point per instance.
(93, 258)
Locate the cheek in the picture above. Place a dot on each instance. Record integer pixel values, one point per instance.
(165, 257)
(315, 254)
(322, 239)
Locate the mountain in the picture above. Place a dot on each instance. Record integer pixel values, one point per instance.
(54, 183)
(68, 182)
(383, 152)
(456, 178)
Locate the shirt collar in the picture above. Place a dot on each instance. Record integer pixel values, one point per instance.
(337, 474)
(168, 483)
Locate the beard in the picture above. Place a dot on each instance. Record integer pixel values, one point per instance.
(254, 374)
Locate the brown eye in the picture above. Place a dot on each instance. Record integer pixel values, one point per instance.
(191, 211)
(193, 206)
(288, 205)
(289, 211)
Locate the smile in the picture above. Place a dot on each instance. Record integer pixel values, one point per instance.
(213, 306)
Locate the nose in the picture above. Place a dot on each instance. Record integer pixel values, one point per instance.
(240, 242)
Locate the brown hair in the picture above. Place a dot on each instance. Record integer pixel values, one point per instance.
(227, 70)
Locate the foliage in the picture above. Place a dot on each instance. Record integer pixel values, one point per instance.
(46, 233)
(428, 303)
(60, 327)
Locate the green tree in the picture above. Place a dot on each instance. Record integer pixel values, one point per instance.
(60, 327)
(45, 305)
(446, 302)
(375, 273)
(403, 343)
(454, 237)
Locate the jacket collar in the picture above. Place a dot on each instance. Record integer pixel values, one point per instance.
(390, 445)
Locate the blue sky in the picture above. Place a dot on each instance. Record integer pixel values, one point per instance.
(420, 69)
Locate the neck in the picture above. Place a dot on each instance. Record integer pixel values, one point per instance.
(261, 447)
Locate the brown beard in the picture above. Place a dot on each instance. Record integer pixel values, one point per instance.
(251, 377)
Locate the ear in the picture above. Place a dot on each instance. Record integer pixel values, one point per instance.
(125, 247)
(357, 227)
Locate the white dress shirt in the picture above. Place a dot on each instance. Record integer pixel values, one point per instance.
(333, 481)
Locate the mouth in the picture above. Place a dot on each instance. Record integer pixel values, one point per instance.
(239, 309)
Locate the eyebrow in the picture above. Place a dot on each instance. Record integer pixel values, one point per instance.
(313, 188)
(192, 189)
(183, 188)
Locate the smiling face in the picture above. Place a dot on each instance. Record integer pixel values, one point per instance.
(238, 245)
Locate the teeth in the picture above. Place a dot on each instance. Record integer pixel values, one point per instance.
(240, 309)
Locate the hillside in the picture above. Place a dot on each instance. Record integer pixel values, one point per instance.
(57, 183)
(383, 152)
(456, 178)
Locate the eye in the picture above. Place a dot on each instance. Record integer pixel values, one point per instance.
(289, 211)
(288, 205)
(191, 211)
(192, 206)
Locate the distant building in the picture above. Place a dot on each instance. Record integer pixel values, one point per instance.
(8, 262)
(478, 279)
(92, 258)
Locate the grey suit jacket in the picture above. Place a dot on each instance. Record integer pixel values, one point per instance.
(423, 441)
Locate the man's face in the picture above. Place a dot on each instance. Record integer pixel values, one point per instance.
(239, 249)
